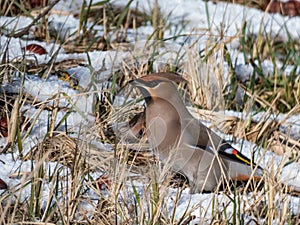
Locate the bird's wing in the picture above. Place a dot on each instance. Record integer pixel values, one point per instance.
(210, 141)
(205, 139)
(197, 134)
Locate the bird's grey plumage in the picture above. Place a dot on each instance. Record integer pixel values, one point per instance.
(179, 138)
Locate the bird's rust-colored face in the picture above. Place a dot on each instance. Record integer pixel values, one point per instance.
(157, 85)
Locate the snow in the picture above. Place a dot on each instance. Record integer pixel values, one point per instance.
(200, 27)
(230, 17)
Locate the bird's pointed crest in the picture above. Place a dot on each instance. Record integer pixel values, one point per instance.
(164, 76)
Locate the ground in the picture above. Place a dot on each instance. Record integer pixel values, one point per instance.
(67, 155)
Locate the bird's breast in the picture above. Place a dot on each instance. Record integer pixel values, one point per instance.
(157, 131)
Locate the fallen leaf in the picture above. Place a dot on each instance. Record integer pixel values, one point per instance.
(35, 48)
(3, 185)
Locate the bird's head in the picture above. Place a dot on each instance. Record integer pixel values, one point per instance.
(158, 85)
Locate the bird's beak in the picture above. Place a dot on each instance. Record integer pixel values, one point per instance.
(143, 88)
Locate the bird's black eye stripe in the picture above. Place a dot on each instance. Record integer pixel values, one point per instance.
(153, 83)
(150, 84)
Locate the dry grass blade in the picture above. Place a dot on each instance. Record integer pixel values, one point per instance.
(13, 122)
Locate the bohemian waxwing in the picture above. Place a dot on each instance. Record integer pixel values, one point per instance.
(180, 139)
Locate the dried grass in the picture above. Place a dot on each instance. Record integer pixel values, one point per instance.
(123, 202)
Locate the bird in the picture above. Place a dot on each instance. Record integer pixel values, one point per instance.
(184, 142)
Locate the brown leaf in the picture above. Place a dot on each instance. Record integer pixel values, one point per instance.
(3, 185)
(4, 127)
(289, 8)
(38, 3)
(103, 182)
(35, 48)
